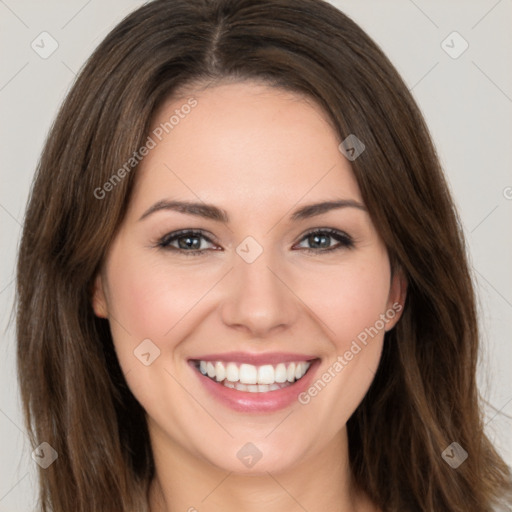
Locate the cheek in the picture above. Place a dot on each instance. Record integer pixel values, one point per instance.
(156, 302)
(349, 298)
(150, 300)
(357, 297)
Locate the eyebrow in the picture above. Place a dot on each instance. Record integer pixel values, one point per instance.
(210, 211)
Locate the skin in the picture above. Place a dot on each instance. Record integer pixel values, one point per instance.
(259, 153)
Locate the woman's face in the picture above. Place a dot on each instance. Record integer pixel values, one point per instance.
(278, 287)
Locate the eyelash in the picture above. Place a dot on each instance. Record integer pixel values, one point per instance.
(345, 241)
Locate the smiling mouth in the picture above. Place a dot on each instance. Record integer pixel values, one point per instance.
(251, 378)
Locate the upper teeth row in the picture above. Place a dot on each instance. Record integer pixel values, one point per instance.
(249, 374)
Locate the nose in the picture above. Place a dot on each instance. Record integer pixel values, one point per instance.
(259, 297)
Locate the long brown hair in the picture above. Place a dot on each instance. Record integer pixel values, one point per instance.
(424, 395)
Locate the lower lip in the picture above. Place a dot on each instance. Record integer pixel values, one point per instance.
(244, 401)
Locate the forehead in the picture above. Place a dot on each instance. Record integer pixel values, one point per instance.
(246, 145)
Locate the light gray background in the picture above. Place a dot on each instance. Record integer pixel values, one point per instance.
(467, 103)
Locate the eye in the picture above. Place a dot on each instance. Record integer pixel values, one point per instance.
(321, 239)
(188, 242)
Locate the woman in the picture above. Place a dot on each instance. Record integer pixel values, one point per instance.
(242, 281)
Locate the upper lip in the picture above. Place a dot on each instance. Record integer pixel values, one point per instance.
(256, 359)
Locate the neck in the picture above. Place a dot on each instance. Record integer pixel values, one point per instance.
(184, 482)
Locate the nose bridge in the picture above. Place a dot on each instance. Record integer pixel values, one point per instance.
(258, 298)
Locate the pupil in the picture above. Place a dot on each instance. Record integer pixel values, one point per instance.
(315, 240)
(187, 244)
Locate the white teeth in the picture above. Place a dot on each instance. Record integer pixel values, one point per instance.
(220, 371)
(232, 372)
(291, 372)
(266, 374)
(247, 377)
(299, 370)
(248, 374)
(280, 373)
(254, 388)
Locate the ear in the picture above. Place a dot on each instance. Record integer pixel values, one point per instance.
(396, 299)
(98, 299)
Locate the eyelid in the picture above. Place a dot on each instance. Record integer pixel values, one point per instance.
(343, 239)
(173, 235)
